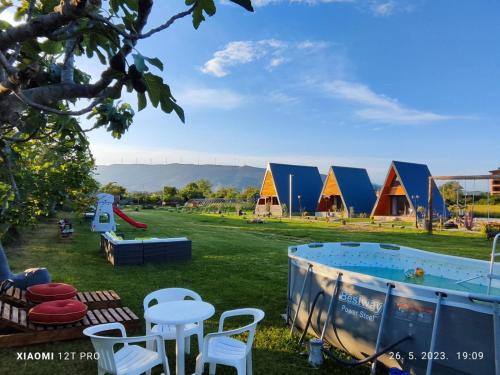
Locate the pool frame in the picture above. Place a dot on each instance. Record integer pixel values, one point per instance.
(454, 305)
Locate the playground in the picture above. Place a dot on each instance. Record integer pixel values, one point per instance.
(227, 250)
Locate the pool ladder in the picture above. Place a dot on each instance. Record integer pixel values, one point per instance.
(494, 254)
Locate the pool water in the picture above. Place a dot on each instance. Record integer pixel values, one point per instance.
(427, 280)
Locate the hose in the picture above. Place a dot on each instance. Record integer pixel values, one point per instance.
(301, 340)
(330, 354)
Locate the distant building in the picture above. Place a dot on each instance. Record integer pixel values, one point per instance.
(405, 189)
(275, 190)
(495, 183)
(346, 190)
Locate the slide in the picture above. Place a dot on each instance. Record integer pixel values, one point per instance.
(128, 219)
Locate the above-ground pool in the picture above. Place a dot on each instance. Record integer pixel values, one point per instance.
(439, 309)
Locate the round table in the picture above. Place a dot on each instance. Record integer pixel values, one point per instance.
(178, 313)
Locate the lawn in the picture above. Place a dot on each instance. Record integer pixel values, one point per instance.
(235, 264)
(482, 210)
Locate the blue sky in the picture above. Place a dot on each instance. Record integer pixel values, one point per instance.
(322, 82)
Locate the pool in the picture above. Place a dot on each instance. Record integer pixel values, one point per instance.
(370, 296)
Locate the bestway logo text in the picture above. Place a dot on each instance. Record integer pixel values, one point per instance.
(361, 301)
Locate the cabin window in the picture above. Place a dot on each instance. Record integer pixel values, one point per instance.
(275, 201)
(262, 201)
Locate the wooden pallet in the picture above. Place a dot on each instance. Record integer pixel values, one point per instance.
(26, 333)
(94, 300)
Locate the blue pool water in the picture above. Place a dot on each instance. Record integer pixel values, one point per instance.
(427, 280)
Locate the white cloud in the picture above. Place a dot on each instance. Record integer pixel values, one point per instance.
(246, 51)
(235, 53)
(276, 61)
(384, 9)
(202, 97)
(378, 107)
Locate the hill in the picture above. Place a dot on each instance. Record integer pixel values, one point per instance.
(152, 177)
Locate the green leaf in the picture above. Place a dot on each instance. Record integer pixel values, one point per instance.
(4, 25)
(206, 6)
(139, 62)
(141, 101)
(247, 4)
(52, 47)
(179, 111)
(155, 61)
(155, 87)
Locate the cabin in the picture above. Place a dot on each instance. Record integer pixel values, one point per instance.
(405, 190)
(346, 192)
(274, 198)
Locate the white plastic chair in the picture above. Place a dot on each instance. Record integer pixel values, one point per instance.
(221, 348)
(130, 359)
(167, 331)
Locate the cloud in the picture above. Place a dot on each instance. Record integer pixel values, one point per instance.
(247, 51)
(384, 9)
(202, 98)
(378, 107)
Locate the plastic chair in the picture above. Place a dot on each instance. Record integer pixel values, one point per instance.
(130, 359)
(221, 348)
(167, 331)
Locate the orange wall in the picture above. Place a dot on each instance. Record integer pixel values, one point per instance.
(331, 187)
(268, 188)
(384, 204)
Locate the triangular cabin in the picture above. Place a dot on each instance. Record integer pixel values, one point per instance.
(346, 191)
(275, 190)
(405, 190)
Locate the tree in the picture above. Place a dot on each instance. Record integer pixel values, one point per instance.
(42, 90)
(114, 189)
(191, 191)
(449, 191)
(250, 193)
(169, 193)
(205, 187)
(226, 192)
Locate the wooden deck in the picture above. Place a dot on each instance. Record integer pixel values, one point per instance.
(14, 319)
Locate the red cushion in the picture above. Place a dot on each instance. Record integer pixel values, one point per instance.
(57, 312)
(50, 292)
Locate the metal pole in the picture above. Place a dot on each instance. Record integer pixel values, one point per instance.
(429, 206)
(435, 328)
(332, 304)
(300, 299)
(290, 195)
(381, 327)
(496, 332)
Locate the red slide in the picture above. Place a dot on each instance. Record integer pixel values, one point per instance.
(128, 219)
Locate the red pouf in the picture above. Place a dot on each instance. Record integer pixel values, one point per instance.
(58, 312)
(50, 292)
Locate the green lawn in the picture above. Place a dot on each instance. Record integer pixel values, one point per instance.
(483, 209)
(235, 264)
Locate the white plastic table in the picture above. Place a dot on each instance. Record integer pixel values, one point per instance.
(178, 313)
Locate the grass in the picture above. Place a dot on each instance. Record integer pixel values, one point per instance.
(482, 210)
(234, 264)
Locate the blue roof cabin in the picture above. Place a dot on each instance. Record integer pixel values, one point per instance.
(346, 191)
(275, 190)
(405, 189)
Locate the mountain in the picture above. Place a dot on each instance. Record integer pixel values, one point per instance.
(152, 177)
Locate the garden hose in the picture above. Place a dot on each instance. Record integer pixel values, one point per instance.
(330, 354)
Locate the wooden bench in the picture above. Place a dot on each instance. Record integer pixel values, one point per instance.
(18, 331)
(94, 300)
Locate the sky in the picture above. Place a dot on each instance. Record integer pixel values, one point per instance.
(321, 82)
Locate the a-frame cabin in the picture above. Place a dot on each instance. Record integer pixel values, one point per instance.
(404, 190)
(346, 191)
(275, 190)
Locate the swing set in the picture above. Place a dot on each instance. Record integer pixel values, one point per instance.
(462, 212)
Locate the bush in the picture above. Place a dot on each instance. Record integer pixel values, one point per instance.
(490, 230)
